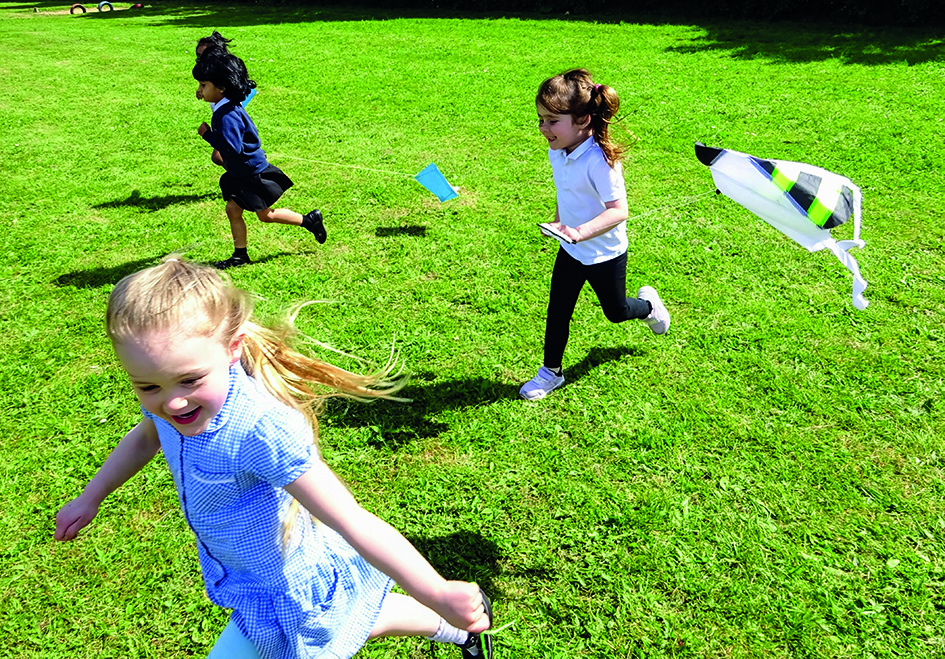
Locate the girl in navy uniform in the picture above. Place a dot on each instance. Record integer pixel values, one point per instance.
(250, 183)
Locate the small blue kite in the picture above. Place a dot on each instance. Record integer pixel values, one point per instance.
(435, 182)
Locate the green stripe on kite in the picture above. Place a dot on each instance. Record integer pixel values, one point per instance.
(781, 180)
(818, 213)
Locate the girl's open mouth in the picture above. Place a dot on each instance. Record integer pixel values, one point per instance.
(184, 419)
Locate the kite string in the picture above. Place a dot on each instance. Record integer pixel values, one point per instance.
(338, 164)
(684, 202)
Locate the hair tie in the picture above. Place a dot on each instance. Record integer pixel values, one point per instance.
(597, 88)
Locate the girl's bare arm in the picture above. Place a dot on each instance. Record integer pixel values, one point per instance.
(133, 452)
(325, 497)
(614, 213)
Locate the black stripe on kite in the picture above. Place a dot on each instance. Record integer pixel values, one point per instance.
(766, 165)
(843, 211)
(805, 190)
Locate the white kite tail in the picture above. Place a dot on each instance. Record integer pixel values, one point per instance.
(841, 249)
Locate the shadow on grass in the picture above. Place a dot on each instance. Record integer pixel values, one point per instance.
(788, 42)
(96, 277)
(278, 255)
(383, 232)
(152, 204)
(462, 555)
(595, 357)
(45, 5)
(396, 424)
(104, 276)
(768, 39)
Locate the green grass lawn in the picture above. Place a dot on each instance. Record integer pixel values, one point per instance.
(766, 480)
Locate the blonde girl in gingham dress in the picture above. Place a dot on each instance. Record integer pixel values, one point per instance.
(230, 406)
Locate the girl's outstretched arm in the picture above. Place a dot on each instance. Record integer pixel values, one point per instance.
(133, 452)
(324, 496)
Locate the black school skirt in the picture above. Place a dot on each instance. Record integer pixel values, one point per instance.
(257, 192)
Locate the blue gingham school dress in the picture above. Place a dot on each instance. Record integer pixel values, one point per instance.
(315, 597)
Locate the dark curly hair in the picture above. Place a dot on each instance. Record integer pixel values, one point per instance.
(227, 73)
(213, 42)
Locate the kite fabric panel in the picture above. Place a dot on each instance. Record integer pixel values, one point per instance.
(801, 201)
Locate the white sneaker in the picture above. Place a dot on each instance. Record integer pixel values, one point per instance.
(658, 320)
(541, 385)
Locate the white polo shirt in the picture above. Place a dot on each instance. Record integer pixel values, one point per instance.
(584, 182)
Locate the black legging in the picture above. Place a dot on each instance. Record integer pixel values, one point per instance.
(609, 281)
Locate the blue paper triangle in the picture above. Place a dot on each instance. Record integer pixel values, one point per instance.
(435, 182)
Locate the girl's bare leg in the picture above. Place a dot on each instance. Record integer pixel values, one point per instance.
(311, 222)
(279, 216)
(404, 616)
(237, 225)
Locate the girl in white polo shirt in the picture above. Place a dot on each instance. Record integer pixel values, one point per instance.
(574, 114)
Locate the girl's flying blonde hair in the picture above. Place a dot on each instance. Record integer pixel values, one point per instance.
(179, 295)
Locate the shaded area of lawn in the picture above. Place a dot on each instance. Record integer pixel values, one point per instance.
(802, 43)
(778, 41)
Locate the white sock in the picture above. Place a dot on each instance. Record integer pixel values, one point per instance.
(447, 633)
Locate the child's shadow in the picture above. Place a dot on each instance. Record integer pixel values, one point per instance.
(279, 255)
(96, 277)
(595, 357)
(396, 424)
(463, 555)
(413, 230)
(152, 204)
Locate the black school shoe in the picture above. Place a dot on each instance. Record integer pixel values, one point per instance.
(231, 262)
(313, 222)
(477, 646)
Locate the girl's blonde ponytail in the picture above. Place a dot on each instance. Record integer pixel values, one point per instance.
(179, 294)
